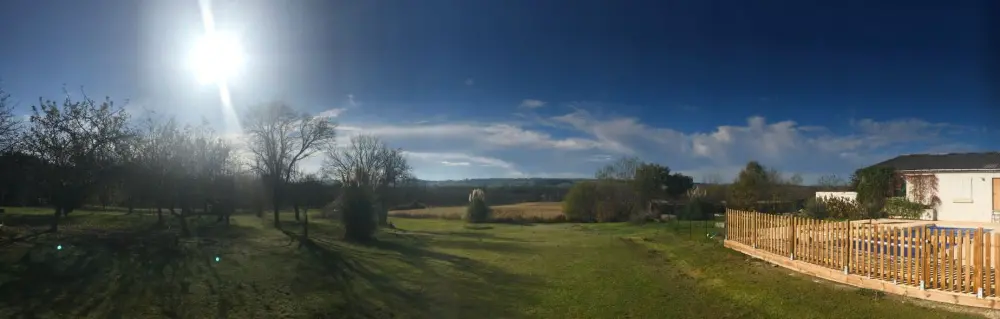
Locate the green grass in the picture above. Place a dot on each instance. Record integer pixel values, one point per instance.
(115, 266)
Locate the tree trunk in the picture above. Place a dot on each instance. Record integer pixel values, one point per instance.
(159, 215)
(296, 211)
(277, 204)
(131, 206)
(54, 226)
(383, 214)
(182, 218)
(305, 223)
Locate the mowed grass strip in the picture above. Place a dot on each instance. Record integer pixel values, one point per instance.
(430, 268)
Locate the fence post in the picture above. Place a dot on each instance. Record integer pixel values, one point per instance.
(849, 250)
(977, 245)
(756, 225)
(925, 272)
(791, 237)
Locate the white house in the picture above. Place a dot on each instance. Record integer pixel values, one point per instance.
(962, 186)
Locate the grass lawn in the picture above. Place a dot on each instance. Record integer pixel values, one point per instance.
(429, 269)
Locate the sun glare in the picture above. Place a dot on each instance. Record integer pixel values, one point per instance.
(217, 57)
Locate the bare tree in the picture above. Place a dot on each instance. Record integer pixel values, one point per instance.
(280, 138)
(204, 163)
(617, 199)
(9, 124)
(77, 142)
(795, 179)
(369, 162)
(831, 182)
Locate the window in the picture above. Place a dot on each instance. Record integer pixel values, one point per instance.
(900, 191)
(963, 191)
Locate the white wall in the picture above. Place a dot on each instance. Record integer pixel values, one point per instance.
(964, 196)
(842, 195)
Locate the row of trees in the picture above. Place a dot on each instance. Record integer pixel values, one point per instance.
(624, 190)
(83, 151)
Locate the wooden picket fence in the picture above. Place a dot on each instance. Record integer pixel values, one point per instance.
(958, 260)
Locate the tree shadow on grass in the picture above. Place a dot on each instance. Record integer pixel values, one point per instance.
(113, 274)
(389, 278)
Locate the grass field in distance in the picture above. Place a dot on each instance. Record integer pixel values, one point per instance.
(523, 211)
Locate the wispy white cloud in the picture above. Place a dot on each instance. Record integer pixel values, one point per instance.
(331, 113)
(600, 158)
(578, 142)
(471, 165)
(532, 103)
(470, 82)
(351, 101)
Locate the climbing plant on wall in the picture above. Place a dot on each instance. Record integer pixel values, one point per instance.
(924, 188)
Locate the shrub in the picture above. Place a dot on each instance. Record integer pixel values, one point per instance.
(580, 203)
(816, 208)
(357, 212)
(842, 208)
(902, 208)
(478, 211)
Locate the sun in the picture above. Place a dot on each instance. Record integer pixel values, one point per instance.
(217, 57)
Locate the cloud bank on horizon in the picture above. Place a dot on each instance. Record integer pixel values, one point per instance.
(577, 141)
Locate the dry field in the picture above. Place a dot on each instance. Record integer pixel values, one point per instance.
(544, 211)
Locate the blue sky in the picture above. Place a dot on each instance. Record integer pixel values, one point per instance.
(539, 88)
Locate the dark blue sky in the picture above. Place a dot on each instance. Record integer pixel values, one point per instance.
(684, 67)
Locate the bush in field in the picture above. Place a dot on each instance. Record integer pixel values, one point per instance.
(816, 208)
(478, 211)
(580, 203)
(902, 208)
(357, 212)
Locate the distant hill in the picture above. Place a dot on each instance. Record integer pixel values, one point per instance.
(508, 182)
(502, 182)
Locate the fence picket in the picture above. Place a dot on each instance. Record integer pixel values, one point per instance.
(940, 252)
(996, 264)
(845, 245)
(868, 249)
(987, 263)
(911, 251)
(893, 254)
(907, 255)
(925, 274)
(828, 244)
(880, 241)
(970, 262)
(977, 260)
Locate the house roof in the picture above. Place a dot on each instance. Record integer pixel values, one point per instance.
(950, 161)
